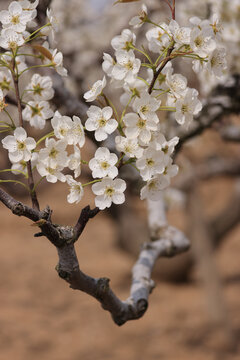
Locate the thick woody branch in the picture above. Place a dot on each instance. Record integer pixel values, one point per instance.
(170, 243)
(167, 241)
(58, 235)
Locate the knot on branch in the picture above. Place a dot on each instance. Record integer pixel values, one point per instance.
(46, 213)
(102, 287)
(141, 307)
(63, 274)
(66, 234)
(18, 209)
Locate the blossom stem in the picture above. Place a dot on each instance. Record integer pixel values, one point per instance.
(91, 182)
(109, 103)
(19, 171)
(84, 162)
(142, 52)
(125, 109)
(167, 108)
(163, 64)
(30, 37)
(38, 182)
(45, 137)
(12, 121)
(17, 182)
(34, 67)
(119, 163)
(15, 77)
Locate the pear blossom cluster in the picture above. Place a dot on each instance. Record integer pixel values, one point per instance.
(149, 88)
(224, 20)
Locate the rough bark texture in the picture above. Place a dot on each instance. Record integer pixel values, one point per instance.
(166, 241)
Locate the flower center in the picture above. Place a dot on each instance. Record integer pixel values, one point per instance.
(5, 85)
(127, 149)
(12, 44)
(144, 109)
(15, 20)
(104, 165)
(50, 170)
(2, 105)
(77, 188)
(150, 162)
(102, 122)
(63, 131)
(53, 153)
(152, 185)
(21, 145)
(37, 89)
(198, 41)
(141, 123)
(184, 108)
(109, 191)
(36, 110)
(129, 65)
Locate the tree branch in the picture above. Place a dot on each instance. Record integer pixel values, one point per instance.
(172, 242)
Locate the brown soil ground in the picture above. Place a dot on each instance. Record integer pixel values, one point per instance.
(41, 318)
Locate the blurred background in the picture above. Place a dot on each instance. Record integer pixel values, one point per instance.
(194, 310)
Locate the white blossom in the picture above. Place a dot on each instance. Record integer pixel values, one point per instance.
(52, 172)
(57, 61)
(177, 83)
(19, 145)
(76, 135)
(129, 147)
(146, 106)
(100, 121)
(127, 66)
(15, 18)
(71, 131)
(159, 142)
(54, 153)
(123, 41)
(10, 39)
(53, 25)
(108, 64)
(138, 21)
(62, 126)
(5, 81)
(187, 107)
(181, 35)
(40, 87)
(75, 162)
(202, 42)
(22, 165)
(131, 88)
(152, 190)
(136, 127)
(37, 112)
(158, 38)
(109, 191)
(102, 164)
(151, 163)
(76, 190)
(217, 62)
(95, 90)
